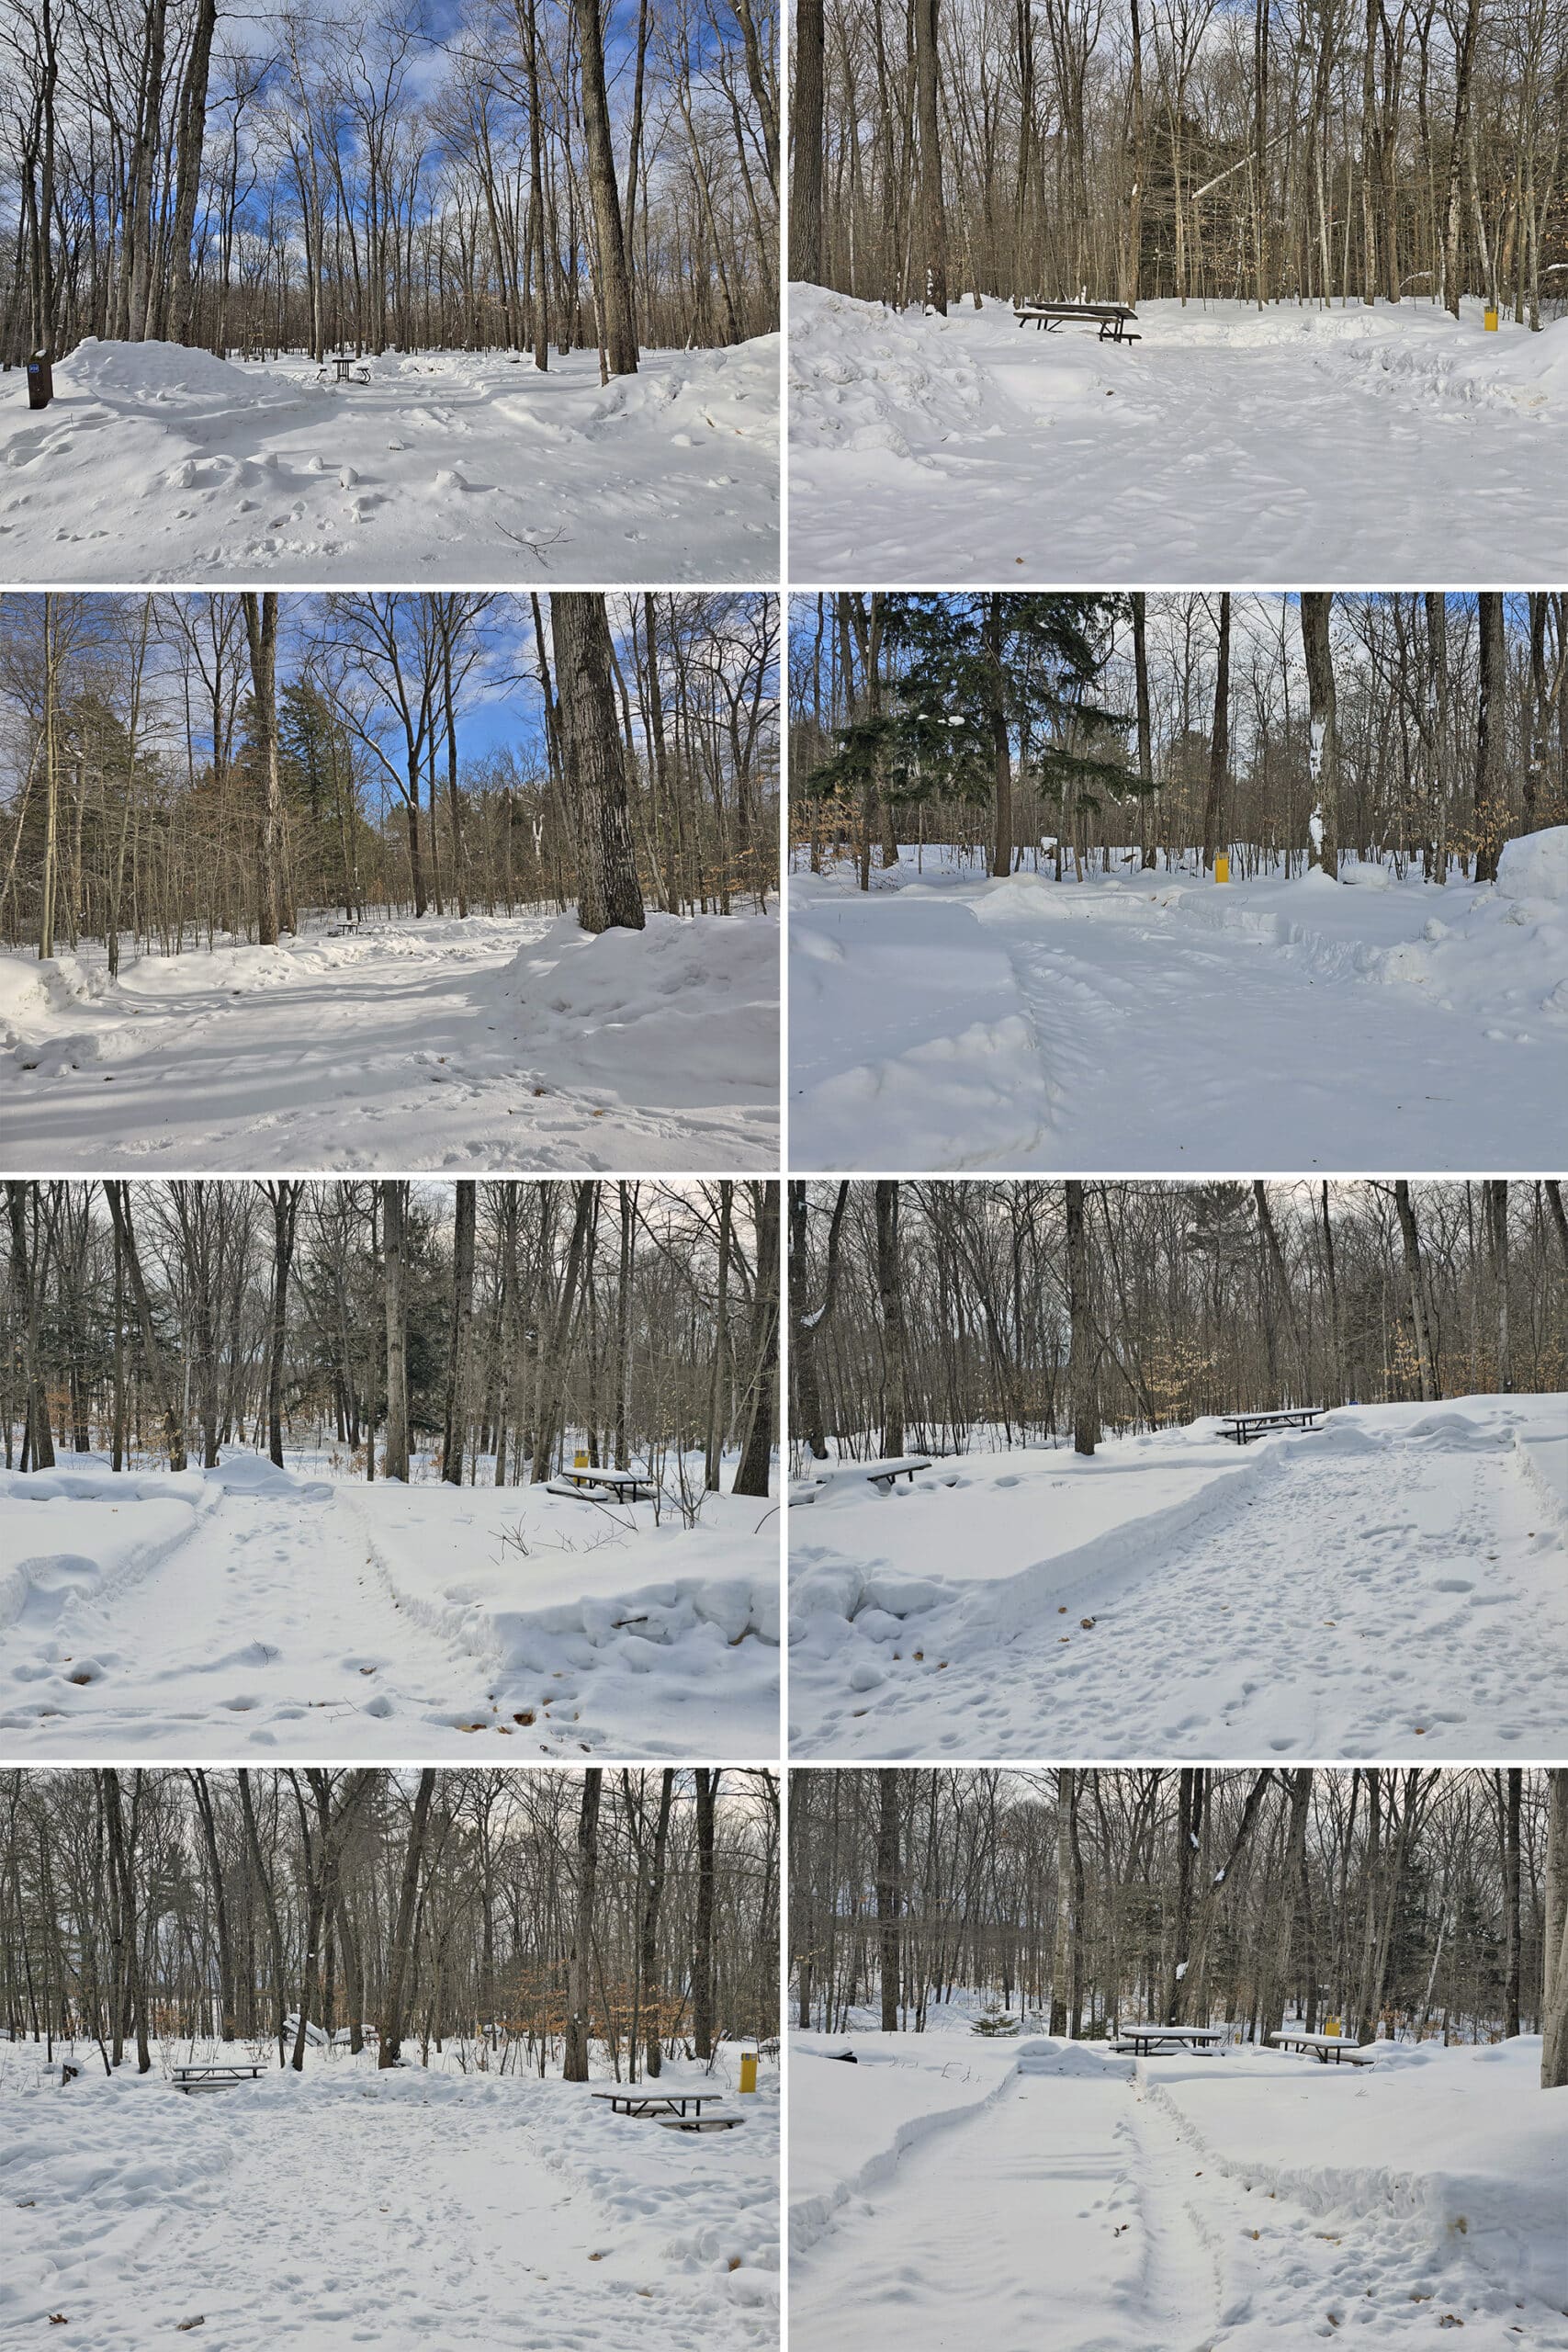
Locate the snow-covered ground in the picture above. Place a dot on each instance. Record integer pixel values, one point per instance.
(249, 1609)
(155, 463)
(1050, 2194)
(1139, 1020)
(349, 2206)
(502, 1042)
(1391, 444)
(1392, 1583)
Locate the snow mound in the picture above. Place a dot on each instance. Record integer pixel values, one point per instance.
(1536, 866)
(30, 990)
(866, 377)
(162, 374)
(698, 398)
(696, 995)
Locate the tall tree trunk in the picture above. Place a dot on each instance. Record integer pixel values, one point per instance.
(1491, 737)
(933, 222)
(460, 1343)
(1410, 1238)
(580, 1960)
(618, 321)
(757, 1438)
(1315, 609)
(806, 126)
(1083, 1369)
(261, 632)
(394, 1217)
(609, 895)
(890, 1299)
(702, 1947)
(887, 1896)
(1219, 742)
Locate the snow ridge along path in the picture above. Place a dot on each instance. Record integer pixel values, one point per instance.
(494, 1042)
(1093, 2204)
(248, 1610)
(164, 464)
(1390, 444)
(1134, 1020)
(1395, 1582)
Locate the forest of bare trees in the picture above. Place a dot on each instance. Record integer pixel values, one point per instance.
(950, 1315)
(1393, 1900)
(474, 1331)
(1265, 153)
(523, 1922)
(179, 770)
(1426, 730)
(542, 172)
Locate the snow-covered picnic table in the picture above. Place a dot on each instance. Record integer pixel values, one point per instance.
(1145, 2041)
(636, 2099)
(1115, 319)
(881, 1473)
(220, 2078)
(1245, 1426)
(628, 1486)
(1330, 2049)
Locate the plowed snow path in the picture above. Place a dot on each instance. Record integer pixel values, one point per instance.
(398, 1047)
(1391, 1601)
(270, 1625)
(1219, 448)
(1078, 2212)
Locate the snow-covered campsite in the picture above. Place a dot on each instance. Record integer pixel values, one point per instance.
(1088, 882)
(1086, 1489)
(381, 295)
(400, 881)
(492, 1041)
(403, 1525)
(1116, 2104)
(403, 2132)
(163, 464)
(1343, 444)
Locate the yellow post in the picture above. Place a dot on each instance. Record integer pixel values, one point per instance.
(579, 1460)
(1489, 320)
(1331, 2024)
(1222, 869)
(747, 2070)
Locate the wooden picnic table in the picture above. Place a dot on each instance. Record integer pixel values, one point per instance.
(217, 2077)
(343, 366)
(1245, 1426)
(1115, 319)
(1145, 2041)
(633, 1484)
(1328, 2049)
(636, 2099)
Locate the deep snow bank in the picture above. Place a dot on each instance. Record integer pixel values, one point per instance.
(74, 1532)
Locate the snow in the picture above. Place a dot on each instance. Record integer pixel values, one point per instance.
(1536, 866)
(167, 465)
(1243, 2201)
(496, 1042)
(1345, 445)
(249, 1609)
(1390, 1583)
(1133, 1020)
(402, 2207)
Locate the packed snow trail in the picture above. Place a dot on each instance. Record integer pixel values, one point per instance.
(1079, 2211)
(292, 1616)
(1342, 446)
(1352, 1599)
(348, 2208)
(162, 464)
(483, 1042)
(1141, 1022)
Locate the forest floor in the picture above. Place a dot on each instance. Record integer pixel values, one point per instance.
(496, 1042)
(1065, 2198)
(1151, 1021)
(1395, 1582)
(401, 2207)
(243, 1609)
(159, 464)
(1391, 444)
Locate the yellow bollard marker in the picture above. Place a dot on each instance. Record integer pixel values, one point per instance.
(1222, 869)
(1331, 2024)
(1489, 320)
(579, 1460)
(747, 2070)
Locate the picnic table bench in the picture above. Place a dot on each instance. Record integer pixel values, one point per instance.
(630, 1485)
(343, 365)
(1115, 319)
(219, 2077)
(697, 2123)
(1328, 2049)
(636, 2099)
(1148, 2041)
(882, 1475)
(1245, 1426)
